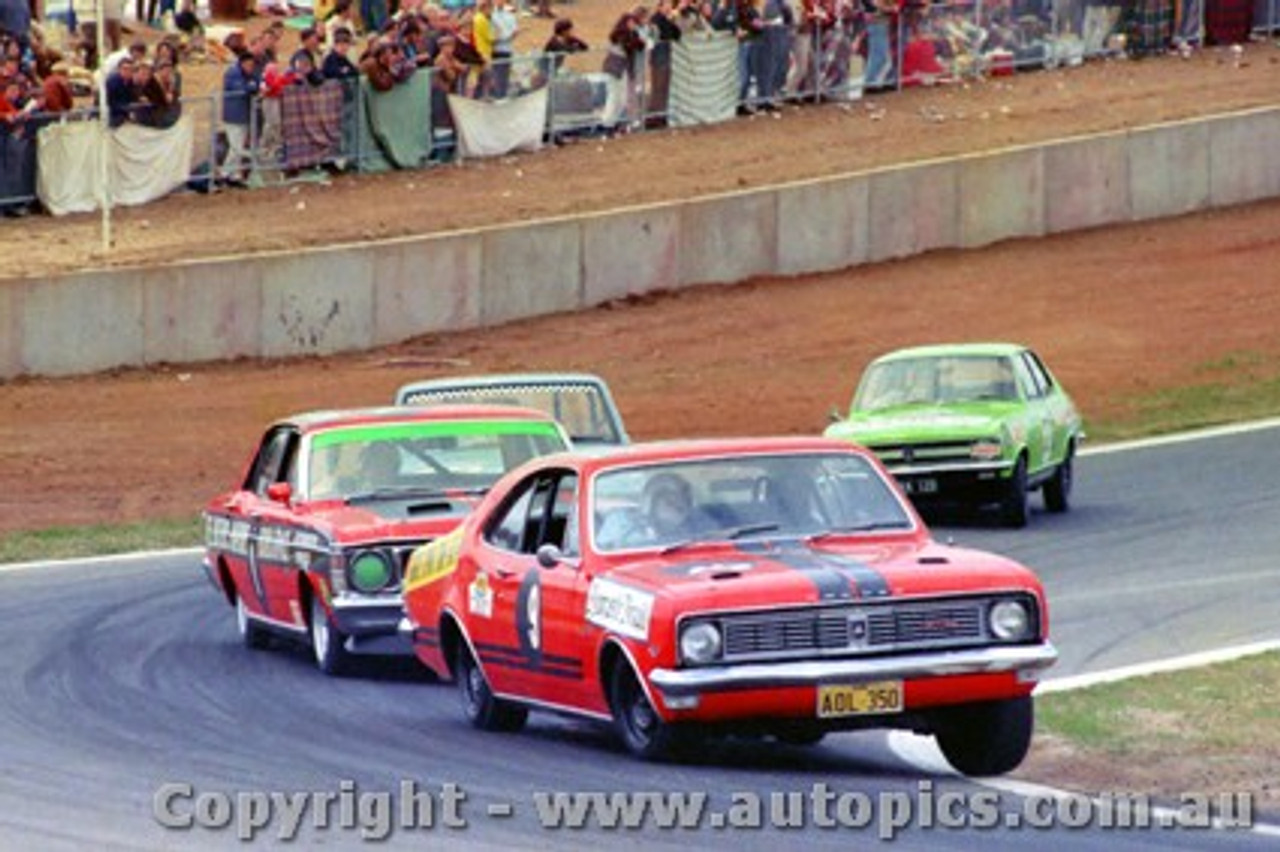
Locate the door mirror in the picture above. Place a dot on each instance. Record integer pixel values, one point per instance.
(280, 492)
(834, 415)
(549, 556)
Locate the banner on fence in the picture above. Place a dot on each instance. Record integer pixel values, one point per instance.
(396, 130)
(144, 164)
(704, 79)
(494, 128)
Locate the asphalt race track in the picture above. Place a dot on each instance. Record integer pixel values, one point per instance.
(123, 677)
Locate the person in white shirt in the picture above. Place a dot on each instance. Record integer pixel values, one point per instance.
(505, 25)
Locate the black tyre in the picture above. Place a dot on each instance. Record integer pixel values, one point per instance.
(251, 634)
(986, 739)
(641, 729)
(328, 643)
(1057, 491)
(479, 705)
(1014, 509)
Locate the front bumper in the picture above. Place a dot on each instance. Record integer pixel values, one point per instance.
(692, 682)
(371, 624)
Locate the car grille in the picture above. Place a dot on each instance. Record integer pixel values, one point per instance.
(856, 629)
(934, 453)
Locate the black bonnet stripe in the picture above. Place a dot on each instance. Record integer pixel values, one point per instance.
(836, 577)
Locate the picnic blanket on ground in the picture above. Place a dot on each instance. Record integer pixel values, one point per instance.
(494, 128)
(311, 123)
(395, 130)
(144, 164)
(704, 79)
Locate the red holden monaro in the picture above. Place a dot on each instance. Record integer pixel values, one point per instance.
(777, 586)
(313, 541)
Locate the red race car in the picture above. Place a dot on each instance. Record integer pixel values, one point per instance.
(777, 586)
(313, 542)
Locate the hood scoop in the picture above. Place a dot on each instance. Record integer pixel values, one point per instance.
(429, 507)
(934, 560)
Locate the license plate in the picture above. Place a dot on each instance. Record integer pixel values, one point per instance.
(841, 700)
(921, 486)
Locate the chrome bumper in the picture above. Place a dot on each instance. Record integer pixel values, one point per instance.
(680, 683)
(946, 468)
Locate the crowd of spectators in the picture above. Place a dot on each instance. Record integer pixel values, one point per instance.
(785, 49)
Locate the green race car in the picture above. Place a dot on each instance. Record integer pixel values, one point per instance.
(975, 423)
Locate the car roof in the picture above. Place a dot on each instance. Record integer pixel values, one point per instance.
(310, 421)
(696, 448)
(941, 349)
(500, 380)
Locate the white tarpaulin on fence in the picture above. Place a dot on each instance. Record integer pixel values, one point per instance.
(704, 78)
(145, 164)
(493, 128)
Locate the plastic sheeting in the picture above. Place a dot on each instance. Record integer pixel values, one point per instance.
(144, 164)
(395, 131)
(494, 128)
(704, 79)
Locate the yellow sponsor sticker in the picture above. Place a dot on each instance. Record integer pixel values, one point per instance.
(839, 700)
(433, 561)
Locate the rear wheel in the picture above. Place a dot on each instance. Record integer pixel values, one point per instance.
(328, 643)
(990, 738)
(479, 705)
(642, 730)
(252, 635)
(1014, 511)
(1057, 491)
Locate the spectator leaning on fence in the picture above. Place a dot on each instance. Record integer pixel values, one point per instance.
(239, 88)
(337, 62)
(120, 93)
(563, 41)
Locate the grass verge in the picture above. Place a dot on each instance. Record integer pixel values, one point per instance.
(1204, 730)
(74, 542)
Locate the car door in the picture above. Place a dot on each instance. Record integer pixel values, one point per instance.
(1039, 417)
(527, 619)
(1059, 409)
(269, 579)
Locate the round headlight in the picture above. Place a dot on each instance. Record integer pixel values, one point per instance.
(370, 571)
(1010, 620)
(700, 643)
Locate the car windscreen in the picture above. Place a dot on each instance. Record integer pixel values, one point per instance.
(738, 497)
(581, 408)
(936, 380)
(423, 456)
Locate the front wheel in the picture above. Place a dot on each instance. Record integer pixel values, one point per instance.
(1014, 511)
(642, 730)
(990, 738)
(1057, 491)
(482, 709)
(328, 643)
(252, 635)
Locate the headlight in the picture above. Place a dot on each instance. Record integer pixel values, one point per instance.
(1010, 620)
(700, 643)
(369, 571)
(986, 449)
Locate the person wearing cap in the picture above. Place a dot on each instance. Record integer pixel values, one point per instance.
(337, 62)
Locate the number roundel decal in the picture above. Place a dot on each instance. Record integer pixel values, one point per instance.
(529, 617)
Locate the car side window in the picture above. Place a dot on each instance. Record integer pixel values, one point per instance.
(506, 531)
(1032, 385)
(1037, 369)
(275, 458)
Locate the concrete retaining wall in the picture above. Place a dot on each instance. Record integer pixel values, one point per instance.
(355, 297)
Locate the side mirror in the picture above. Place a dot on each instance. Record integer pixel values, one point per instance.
(549, 556)
(280, 492)
(834, 415)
